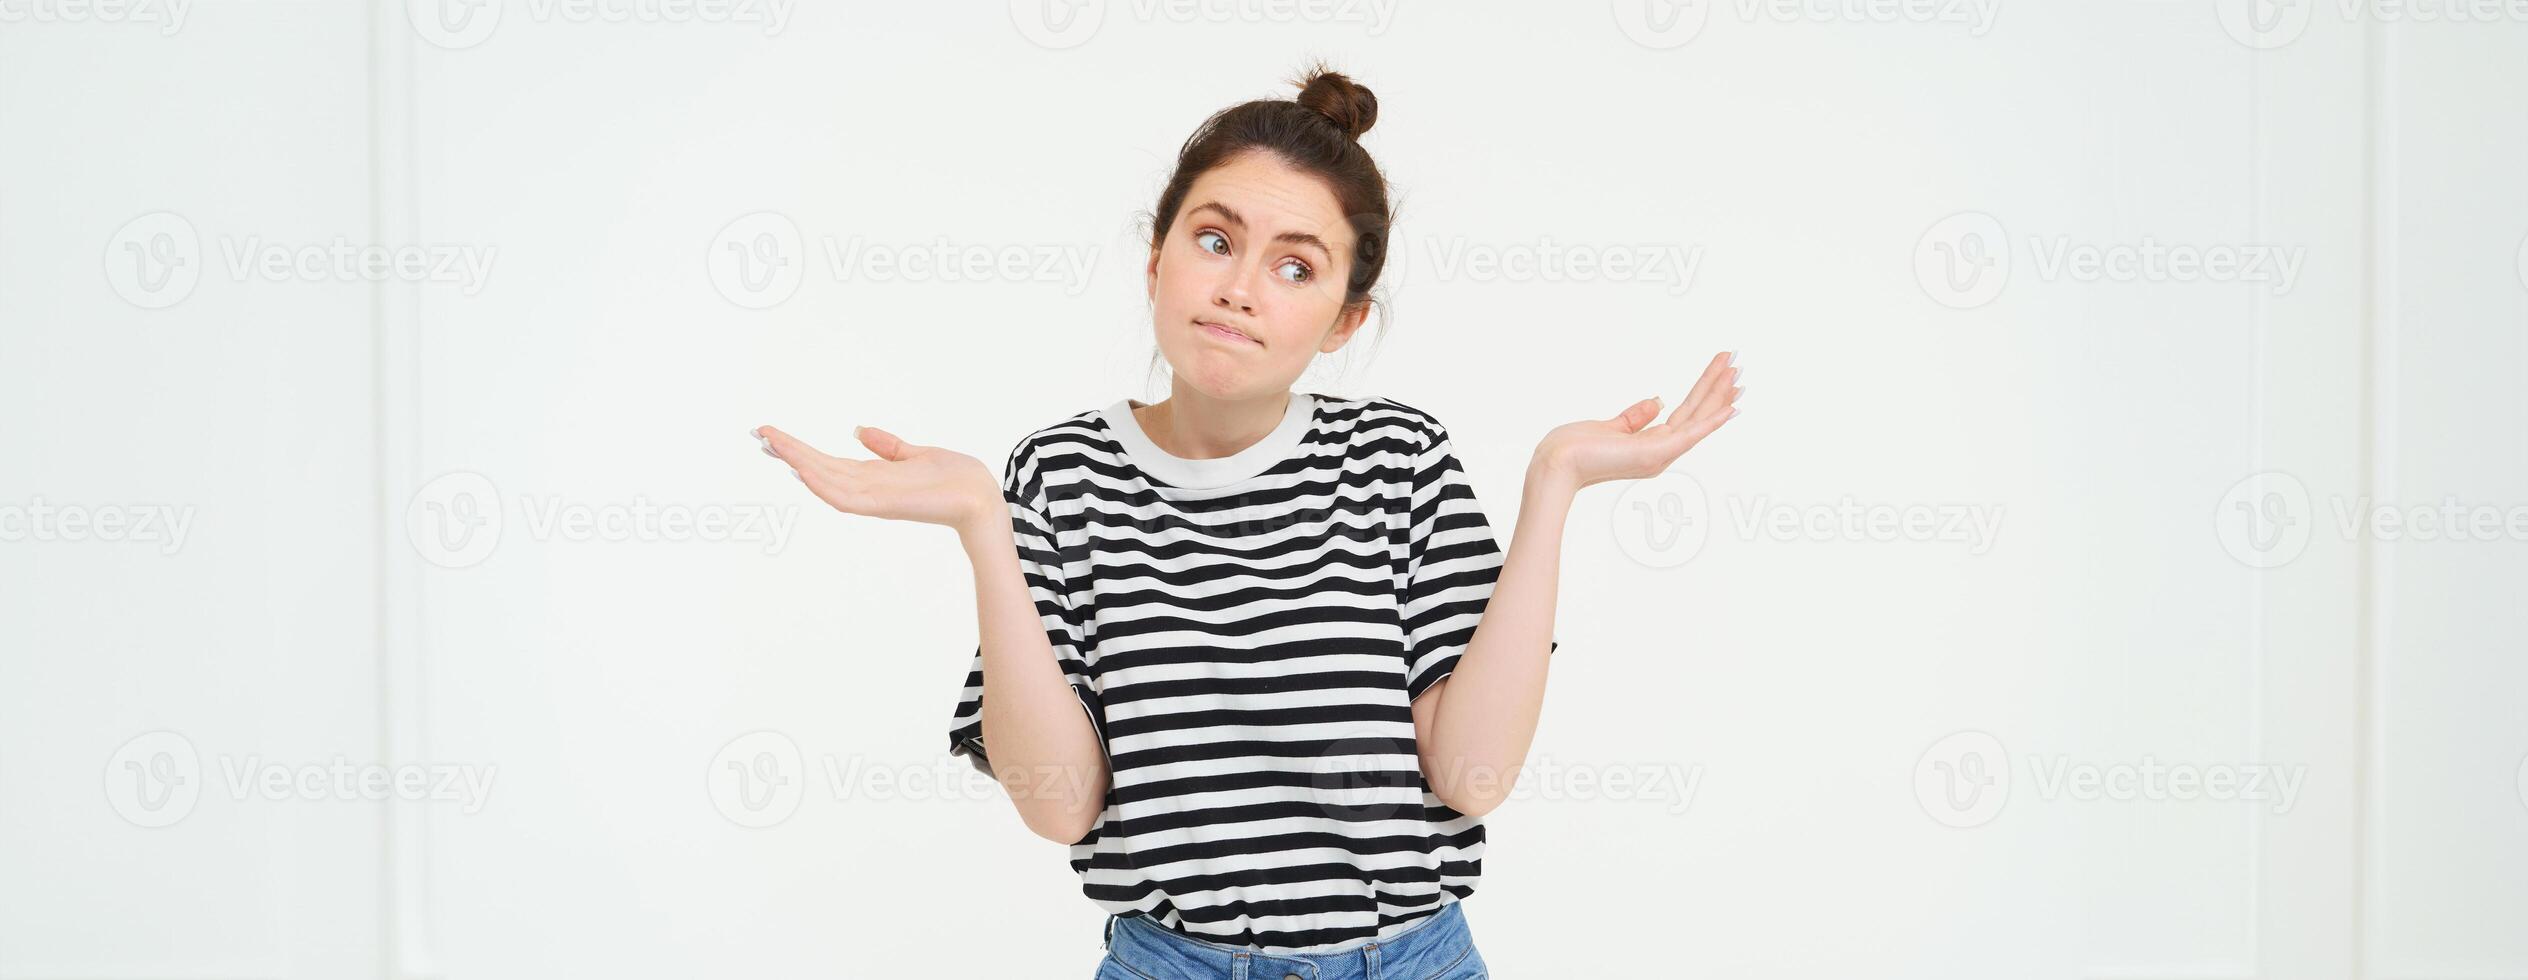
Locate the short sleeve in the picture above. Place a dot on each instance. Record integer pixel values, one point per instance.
(1040, 563)
(1452, 565)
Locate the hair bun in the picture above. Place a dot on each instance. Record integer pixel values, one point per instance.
(1341, 100)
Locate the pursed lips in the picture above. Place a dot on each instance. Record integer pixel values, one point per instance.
(1248, 337)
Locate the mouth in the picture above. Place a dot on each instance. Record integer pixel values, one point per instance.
(1227, 333)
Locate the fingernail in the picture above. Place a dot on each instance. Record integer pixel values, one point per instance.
(1733, 358)
(768, 452)
(794, 474)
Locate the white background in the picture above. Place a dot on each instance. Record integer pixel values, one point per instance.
(2138, 605)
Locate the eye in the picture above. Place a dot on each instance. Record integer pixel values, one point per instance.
(1205, 238)
(1295, 271)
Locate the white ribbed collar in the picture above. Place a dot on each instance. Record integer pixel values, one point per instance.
(1207, 474)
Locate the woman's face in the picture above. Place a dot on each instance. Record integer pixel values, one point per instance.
(1248, 286)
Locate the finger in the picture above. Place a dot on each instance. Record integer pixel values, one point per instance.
(1712, 371)
(1720, 402)
(882, 442)
(836, 485)
(1692, 433)
(789, 449)
(807, 462)
(1712, 374)
(1639, 414)
(1713, 406)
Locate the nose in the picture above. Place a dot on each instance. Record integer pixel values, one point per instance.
(1234, 292)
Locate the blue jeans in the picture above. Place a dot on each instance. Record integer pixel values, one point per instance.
(1437, 948)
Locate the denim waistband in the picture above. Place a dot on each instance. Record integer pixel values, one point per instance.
(1439, 945)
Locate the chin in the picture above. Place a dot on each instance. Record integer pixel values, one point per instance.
(1218, 385)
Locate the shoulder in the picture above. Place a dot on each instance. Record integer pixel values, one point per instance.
(1087, 426)
(1058, 446)
(1382, 416)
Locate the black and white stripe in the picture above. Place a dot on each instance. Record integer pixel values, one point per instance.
(1247, 635)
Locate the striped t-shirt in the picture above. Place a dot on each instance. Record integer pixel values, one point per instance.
(1247, 634)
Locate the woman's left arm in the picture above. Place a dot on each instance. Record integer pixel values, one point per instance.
(1474, 727)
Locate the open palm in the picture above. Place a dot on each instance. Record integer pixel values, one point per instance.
(1628, 446)
(906, 482)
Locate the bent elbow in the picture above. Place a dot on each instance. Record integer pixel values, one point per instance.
(1063, 828)
(1468, 804)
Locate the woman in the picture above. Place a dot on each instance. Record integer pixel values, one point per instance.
(1307, 669)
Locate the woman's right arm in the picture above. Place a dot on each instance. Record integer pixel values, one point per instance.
(1039, 741)
(1041, 745)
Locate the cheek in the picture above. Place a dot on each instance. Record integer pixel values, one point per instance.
(1181, 287)
(1294, 333)
(1302, 318)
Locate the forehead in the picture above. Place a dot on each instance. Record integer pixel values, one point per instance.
(1271, 195)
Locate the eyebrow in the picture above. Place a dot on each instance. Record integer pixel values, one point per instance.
(1293, 237)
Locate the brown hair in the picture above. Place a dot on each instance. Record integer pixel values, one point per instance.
(1319, 133)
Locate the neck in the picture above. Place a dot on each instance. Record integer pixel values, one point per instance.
(1193, 425)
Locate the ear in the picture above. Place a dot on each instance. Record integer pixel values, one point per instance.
(1151, 288)
(1346, 324)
